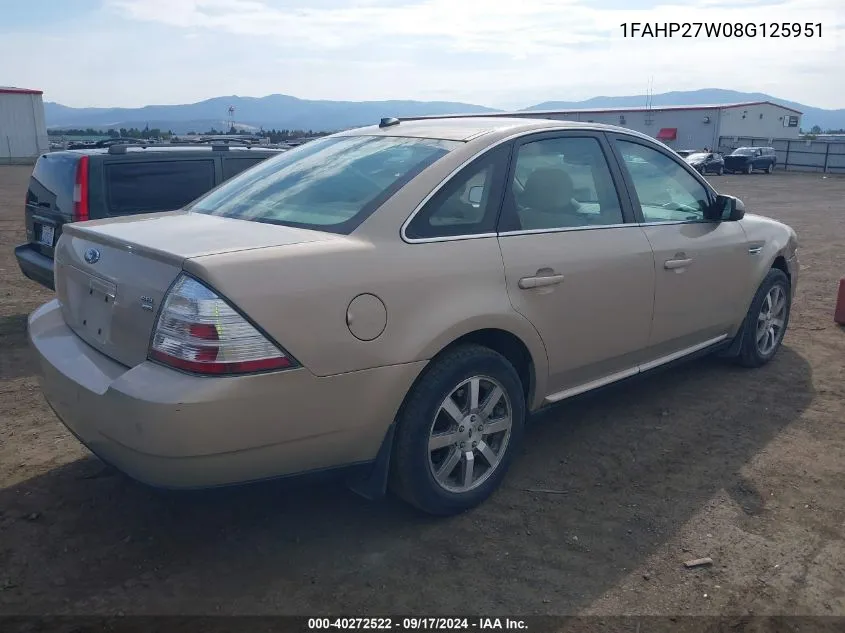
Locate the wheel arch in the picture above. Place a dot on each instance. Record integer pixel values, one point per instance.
(515, 338)
(779, 262)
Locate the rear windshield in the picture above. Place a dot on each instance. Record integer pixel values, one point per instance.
(329, 184)
(52, 181)
(697, 156)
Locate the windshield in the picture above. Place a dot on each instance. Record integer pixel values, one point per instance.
(743, 151)
(698, 156)
(329, 184)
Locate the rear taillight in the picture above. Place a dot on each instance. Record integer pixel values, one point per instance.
(80, 191)
(197, 331)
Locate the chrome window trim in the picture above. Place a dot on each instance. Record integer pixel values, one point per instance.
(451, 238)
(632, 371)
(567, 229)
(667, 222)
(626, 225)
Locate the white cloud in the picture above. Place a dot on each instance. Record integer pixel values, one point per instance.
(497, 52)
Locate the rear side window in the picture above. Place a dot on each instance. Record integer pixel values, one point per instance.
(138, 187)
(233, 166)
(468, 204)
(329, 184)
(52, 181)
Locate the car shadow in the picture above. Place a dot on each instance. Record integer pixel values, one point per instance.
(16, 361)
(599, 485)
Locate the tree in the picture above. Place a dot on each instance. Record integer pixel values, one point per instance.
(815, 130)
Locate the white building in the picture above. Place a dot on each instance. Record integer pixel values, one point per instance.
(689, 127)
(23, 131)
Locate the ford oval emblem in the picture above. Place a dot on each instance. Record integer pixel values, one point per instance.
(92, 255)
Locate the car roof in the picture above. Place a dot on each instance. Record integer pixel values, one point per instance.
(164, 149)
(468, 128)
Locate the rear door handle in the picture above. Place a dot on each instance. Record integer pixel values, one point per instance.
(674, 264)
(540, 281)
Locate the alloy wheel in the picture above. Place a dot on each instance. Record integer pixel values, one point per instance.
(771, 320)
(469, 434)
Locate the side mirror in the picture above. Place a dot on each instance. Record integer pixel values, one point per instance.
(727, 209)
(476, 194)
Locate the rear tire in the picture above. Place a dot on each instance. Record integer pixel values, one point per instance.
(766, 321)
(721, 171)
(749, 169)
(770, 168)
(440, 425)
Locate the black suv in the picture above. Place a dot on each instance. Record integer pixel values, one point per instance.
(78, 185)
(746, 159)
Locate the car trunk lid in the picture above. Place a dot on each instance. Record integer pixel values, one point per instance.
(112, 275)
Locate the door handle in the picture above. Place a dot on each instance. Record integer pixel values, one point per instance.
(540, 281)
(674, 264)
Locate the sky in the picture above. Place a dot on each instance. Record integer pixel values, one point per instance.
(499, 53)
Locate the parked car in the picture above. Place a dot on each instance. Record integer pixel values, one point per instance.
(746, 159)
(707, 162)
(69, 186)
(392, 301)
(683, 153)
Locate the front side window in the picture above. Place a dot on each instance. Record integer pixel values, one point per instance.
(666, 191)
(561, 182)
(329, 184)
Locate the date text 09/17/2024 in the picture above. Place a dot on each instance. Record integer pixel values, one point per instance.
(722, 29)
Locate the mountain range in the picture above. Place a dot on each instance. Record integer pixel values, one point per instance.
(286, 112)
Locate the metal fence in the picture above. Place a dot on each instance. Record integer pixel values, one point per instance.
(795, 154)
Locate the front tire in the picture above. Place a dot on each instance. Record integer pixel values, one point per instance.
(458, 431)
(721, 171)
(749, 169)
(770, 168)
(766, 321)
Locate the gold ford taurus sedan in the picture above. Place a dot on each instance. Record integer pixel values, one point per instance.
(395, 299)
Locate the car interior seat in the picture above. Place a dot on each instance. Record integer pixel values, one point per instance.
(546, 200)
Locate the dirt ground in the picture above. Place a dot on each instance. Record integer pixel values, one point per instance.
(746, 467)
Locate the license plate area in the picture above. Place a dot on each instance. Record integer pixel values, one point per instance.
(91, 300)
(46, 234)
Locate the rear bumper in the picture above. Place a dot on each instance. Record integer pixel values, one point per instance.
(34, 265)
(174, 430)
